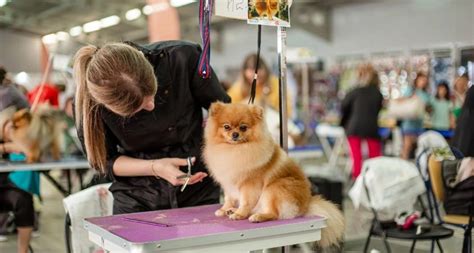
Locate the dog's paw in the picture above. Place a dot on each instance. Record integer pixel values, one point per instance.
(256, 218)
(230, 211)
(237, 216)
(220, 213)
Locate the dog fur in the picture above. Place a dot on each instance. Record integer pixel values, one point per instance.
(37, 133)
(259, 180)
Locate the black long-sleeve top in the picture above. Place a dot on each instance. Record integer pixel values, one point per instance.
(175, 127)
(464, 133)
(360, 111)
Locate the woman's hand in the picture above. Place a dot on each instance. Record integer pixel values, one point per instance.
(10, 147)
(168, 169)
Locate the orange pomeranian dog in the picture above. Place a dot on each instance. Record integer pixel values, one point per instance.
(259, 180)
(266, 8)
(37, 133)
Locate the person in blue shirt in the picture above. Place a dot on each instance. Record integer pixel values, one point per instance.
(13, 198)
(442, 117)
(411, 128)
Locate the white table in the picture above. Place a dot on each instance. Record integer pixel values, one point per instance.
(196, 229)
(305, 153)
(334, 154)
(67, 164)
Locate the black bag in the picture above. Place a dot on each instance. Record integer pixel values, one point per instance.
(330, 190)
(459, 198)
(449, 172)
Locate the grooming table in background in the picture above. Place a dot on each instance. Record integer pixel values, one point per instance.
(66, 164)
(196, 229)
(305, 152)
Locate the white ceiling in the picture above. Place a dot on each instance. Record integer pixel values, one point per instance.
(43, 17)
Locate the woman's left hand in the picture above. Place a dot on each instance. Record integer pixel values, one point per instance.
(11, 147)
(198, 177)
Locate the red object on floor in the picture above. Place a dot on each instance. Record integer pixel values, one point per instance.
(50, 94)
(355, 142)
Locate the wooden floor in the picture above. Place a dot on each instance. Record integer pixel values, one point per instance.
(51, 234)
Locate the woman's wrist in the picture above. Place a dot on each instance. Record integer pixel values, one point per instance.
(154, 169)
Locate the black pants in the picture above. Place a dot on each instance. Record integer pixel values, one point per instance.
(149, 194)
(20, 203)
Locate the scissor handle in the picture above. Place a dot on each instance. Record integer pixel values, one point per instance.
(190, 164)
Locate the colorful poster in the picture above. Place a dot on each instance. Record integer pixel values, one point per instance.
(269, 12)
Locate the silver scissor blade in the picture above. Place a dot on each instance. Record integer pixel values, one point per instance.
(185, 184)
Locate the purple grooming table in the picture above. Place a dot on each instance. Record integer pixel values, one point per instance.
(196, 229)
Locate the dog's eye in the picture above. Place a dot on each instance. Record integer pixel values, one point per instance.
(243, 128)
(226, 127)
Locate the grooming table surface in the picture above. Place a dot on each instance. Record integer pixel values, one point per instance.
(196, 229)
(64, 164)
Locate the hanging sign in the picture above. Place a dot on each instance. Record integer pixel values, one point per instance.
(269, 12)
(236, 9)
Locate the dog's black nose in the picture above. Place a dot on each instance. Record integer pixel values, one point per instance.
(235, 135)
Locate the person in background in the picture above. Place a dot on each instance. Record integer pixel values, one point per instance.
(49, 94)
(267, 85)
(441, 117)
(411, 128)
(459, 94)
(13, 198)
(360, 111)
(72, 144)
(9, 94)
(8, 81)
(464, 134)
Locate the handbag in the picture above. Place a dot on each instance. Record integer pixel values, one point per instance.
(410, 108)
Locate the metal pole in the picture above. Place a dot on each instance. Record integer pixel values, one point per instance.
(305, 95)
(281, 45)
(286, 249)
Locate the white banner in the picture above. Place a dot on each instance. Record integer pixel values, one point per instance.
(236, 9)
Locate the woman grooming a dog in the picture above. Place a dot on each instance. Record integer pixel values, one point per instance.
(13, 198)
(138, 111)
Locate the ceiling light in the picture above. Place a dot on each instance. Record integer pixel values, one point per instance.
(75, 31)
(22, 78)
(49, 39)
(133, 14)
(91, 26)
(149, 9)
(109, 21)
(318, 19)
(62, 36)
(3, 3)
(179, 3)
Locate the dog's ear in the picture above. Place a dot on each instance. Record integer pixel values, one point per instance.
(21, 118)
(257, 111)
(215, 108)
(22, 114)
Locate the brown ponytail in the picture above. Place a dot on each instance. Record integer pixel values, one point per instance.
(116, 76)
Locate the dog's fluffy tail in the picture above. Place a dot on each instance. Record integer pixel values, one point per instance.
(333, 233)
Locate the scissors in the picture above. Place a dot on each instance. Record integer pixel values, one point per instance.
(186, 176)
